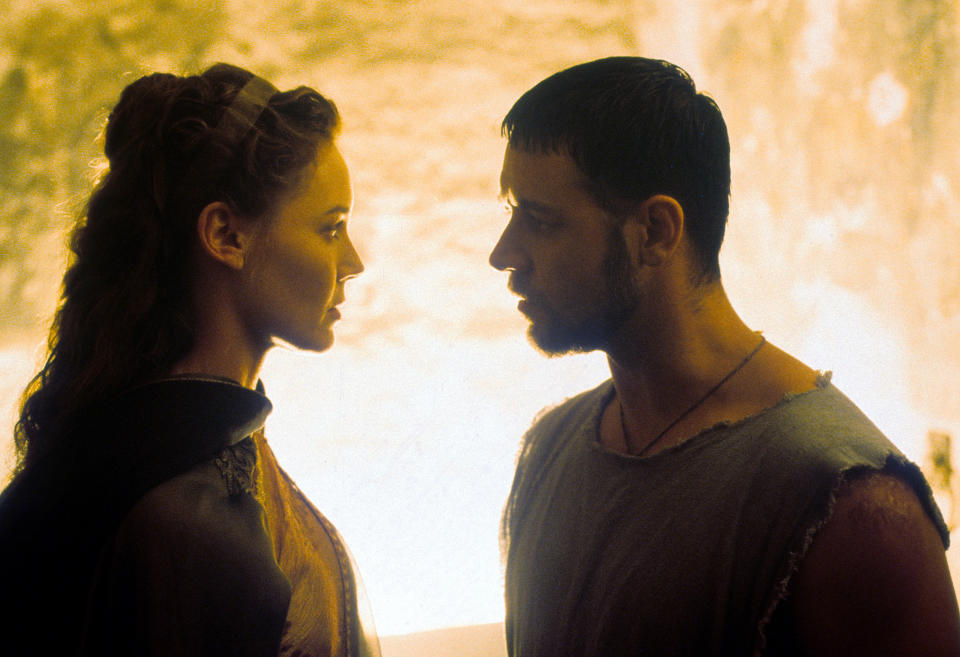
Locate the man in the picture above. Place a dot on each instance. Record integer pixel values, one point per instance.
(716, 496)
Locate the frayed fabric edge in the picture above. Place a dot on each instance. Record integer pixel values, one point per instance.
(793, 564)
(895, 464)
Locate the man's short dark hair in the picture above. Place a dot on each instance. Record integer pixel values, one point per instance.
(635, 127)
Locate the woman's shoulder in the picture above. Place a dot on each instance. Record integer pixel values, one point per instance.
(192, 528)
(192, 569)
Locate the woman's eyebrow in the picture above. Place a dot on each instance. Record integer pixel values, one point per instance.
(337, 209)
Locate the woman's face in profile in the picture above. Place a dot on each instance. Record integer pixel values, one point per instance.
(300, 258)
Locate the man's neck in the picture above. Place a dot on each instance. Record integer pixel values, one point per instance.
(667, 358)
(668, 346)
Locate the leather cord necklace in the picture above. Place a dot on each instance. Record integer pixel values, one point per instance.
(623, 424)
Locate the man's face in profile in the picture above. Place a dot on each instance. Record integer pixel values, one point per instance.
(566, 256)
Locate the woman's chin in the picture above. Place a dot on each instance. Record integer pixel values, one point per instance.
(321, 340)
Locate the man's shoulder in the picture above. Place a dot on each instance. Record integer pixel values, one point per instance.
(555, 425)
(821, 441)
(875, 580)
(578, 407)
(822, 426)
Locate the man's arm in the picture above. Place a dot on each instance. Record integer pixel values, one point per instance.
(875, 581)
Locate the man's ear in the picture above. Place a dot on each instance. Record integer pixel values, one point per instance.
(660, 220)
(222, 234)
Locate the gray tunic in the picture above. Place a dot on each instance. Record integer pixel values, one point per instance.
(688, 551)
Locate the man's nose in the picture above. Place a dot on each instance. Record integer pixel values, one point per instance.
(507, 254)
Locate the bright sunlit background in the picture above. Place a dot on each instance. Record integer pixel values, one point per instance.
(842, 246)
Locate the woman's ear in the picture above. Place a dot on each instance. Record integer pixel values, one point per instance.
(660, 219)
(222, 234)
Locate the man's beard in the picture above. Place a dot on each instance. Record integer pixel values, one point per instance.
(615, 303)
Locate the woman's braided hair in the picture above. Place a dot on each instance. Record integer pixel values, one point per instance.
(173, 147)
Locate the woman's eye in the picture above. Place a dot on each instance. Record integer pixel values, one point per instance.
(334, 230)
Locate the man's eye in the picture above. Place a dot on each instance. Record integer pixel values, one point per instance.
(538, 225)
(528, 218)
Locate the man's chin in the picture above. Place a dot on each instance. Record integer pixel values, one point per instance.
(556, 341)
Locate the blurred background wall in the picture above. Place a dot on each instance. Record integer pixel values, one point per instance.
(842, 244)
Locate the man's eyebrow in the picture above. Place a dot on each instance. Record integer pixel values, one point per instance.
(543, 208)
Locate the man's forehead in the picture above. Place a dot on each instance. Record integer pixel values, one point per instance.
(525, 168)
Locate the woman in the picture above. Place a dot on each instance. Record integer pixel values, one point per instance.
(148, 515)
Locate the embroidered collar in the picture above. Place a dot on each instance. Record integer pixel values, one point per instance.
(165, 427)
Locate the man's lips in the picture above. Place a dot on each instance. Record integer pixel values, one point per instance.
(530, 304)
(531, 309)
(520, 289)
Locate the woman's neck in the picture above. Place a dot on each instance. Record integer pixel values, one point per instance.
(222, 348)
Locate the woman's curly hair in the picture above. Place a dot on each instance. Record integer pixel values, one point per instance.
(125, 312)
